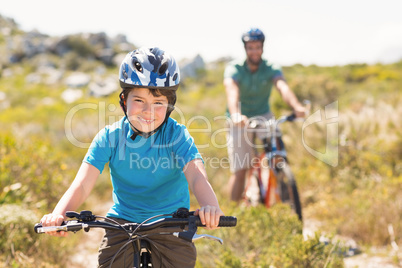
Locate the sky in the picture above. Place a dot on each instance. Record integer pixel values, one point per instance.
(307, 32)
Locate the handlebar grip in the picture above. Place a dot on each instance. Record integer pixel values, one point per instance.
(291, 117)
(36, 228)
(224, 221)
(227, 221)
(70, 227)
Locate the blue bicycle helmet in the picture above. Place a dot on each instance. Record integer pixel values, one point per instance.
(254, 34)
(151, 68)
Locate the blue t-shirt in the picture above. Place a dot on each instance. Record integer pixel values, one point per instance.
(147, 173)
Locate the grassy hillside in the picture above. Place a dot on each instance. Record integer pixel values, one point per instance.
(358, 197)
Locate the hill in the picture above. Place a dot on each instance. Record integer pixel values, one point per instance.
(347, 162)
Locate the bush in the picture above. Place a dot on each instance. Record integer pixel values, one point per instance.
(358, 198)
(20, 246)
(31, 173)
(267, 238)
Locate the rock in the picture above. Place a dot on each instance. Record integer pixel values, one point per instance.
(118, 59)
(71, 95)
(52, 75)
(104, 87)
(44, 74)
(77, 79)
(33, 78)
(17, 47)
(4, 103)
(7, 72)
(99, 40)
(189, 68)
(58, 46)
(2, 96)
(106, 55)
(48, 101)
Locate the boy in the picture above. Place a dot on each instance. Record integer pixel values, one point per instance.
(152, 159)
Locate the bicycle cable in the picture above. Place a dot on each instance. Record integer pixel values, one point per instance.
(131, 239)
(157, 216)
(116, 222)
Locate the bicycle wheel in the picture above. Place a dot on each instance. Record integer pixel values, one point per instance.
(257, 183)
(252, 192)
(268, 185)
(288, 188)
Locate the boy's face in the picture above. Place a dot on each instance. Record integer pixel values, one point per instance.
(145, 111)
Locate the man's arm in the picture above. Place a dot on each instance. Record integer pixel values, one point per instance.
(232, 95)
(233, 101)
(289, 97)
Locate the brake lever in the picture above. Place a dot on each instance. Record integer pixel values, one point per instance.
(191, 237)
(197, 237)
(191, 232)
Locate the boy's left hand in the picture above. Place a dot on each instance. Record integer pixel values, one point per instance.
(209, 216)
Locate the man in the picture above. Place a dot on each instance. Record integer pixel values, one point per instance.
(248, 87)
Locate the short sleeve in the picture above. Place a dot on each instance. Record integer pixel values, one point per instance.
(277, 72)
(99, 152)
(231, 72)
(184, 147)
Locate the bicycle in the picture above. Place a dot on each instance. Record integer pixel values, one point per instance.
(271, 180)
(182, 218)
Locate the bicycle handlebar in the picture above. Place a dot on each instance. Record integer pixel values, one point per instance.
(74, 225)
(181, 218)
(291, 117)
(253, 123)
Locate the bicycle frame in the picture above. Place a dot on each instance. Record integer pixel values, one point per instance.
(275, 153)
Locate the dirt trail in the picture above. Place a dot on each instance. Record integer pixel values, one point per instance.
(87, 251)
(378, 257)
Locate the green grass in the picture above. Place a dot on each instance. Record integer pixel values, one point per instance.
(358, 198)
(267, 238)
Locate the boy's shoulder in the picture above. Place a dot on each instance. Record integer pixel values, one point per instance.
(117, 126)
(113, 131)
(173, 125)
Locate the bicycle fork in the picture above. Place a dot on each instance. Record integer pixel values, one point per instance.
(272, 184)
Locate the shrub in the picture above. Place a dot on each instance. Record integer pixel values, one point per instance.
(267, 238)
(31, 173)
(20, 246)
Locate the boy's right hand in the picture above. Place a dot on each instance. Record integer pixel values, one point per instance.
(53, 220)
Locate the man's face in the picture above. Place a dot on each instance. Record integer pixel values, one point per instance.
(254, 50)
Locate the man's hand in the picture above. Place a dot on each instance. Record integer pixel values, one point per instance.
(238, 119)
(300, 111)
